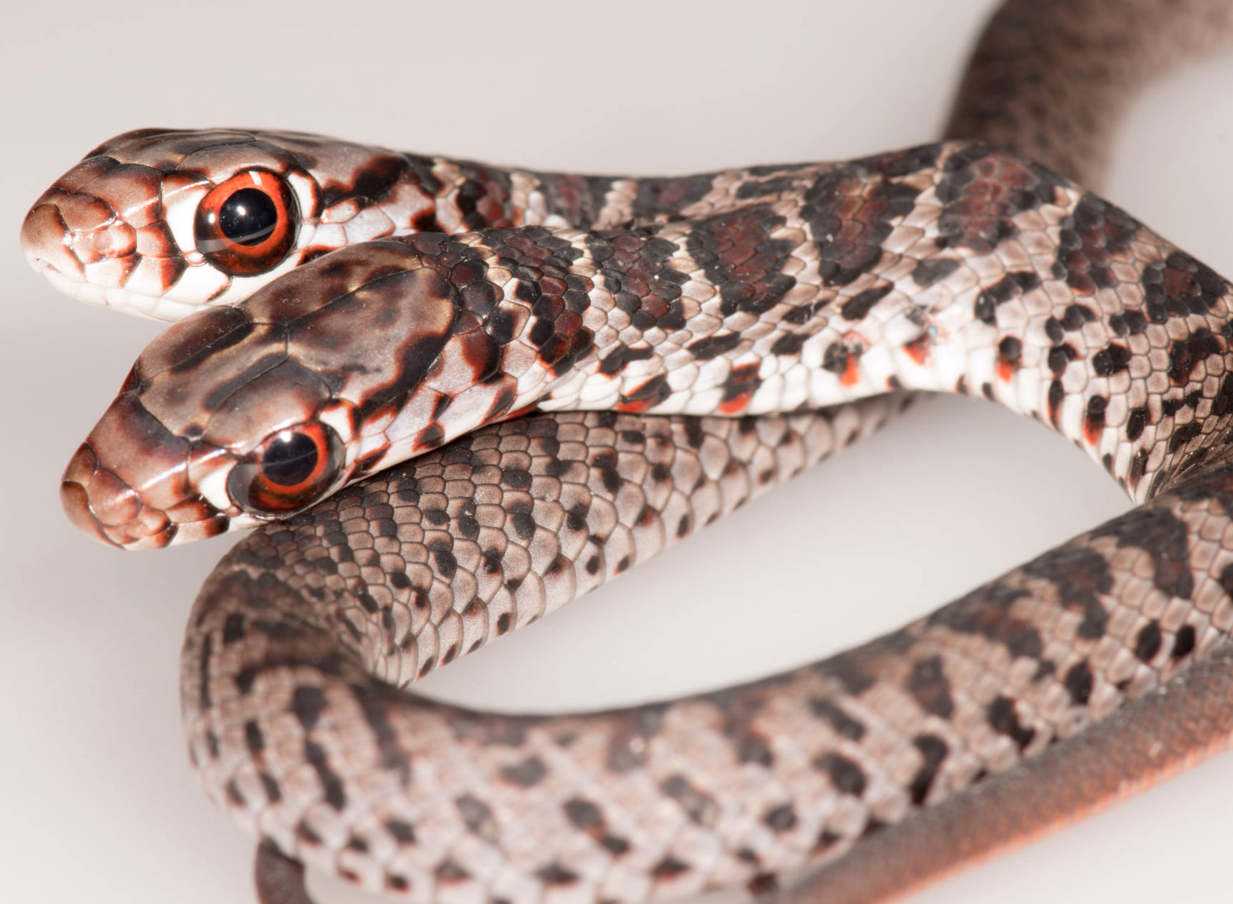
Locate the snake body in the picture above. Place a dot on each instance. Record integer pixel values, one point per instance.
(946, 267)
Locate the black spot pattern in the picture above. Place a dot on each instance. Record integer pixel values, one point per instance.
(929, 687)
(849, 218)
(739, 256)
(981, 190)
(845, 775)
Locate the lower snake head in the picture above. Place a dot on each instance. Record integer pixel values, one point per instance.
(160, 222)
(242, 414)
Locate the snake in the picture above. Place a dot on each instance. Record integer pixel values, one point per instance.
(456, 396)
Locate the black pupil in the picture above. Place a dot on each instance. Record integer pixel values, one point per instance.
(288, 462)
(248, 217)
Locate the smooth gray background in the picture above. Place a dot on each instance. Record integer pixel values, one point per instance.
(97, 801)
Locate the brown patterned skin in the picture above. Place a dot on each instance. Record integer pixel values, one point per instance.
(1147, 741)
(1052, 79)
(1024, 288)
(471, 542)
(864, 875)
(977, 688)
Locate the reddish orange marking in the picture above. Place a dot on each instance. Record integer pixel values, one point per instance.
(1092, 431)
(519, 412)
(1006, 369)
(741, 383)
(918, 348)
(634, 406)
(851, 375)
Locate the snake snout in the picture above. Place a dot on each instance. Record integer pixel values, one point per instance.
(127, 484)
(98, 234)
(104, 506)
(79, 243)
(47, 242)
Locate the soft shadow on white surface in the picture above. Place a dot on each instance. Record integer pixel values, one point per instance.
(98, 801)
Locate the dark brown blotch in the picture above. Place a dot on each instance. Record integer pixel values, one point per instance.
(930, 688)
(527, 773)
(699, 806)
(933, 751)
(846, 776)
(1004, 719)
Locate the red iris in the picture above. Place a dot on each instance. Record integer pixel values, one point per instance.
(289, 470)
(246, 225)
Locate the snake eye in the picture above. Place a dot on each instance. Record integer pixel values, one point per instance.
(246, 225)
(292, 468)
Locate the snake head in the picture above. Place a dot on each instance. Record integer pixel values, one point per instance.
(211, 413)
(248, 413)
(160, 222)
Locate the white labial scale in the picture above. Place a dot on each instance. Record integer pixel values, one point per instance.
(196, 283)
(145, 280)
(366, 445)
(78, 290)
(107, 274)
(138, 305)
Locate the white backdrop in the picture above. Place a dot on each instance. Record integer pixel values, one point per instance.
(97, 801)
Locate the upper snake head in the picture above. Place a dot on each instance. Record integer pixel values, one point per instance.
(160, 222)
